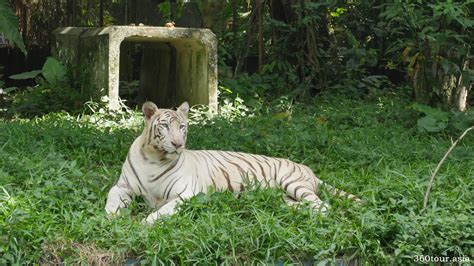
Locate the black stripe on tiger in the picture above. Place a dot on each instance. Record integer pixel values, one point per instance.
(259, 163)
(223, 154)
(305, 194)
(285, 187)
(211, 161)
(220, 164)
(277, 171)
(175, 169)
(242, 157)
(282, 179)
(310, 178)
(135, 173)
(182, 191)
(170, 186)
(226, 176)
(152, 130)
(122, 175)
(215, 158)
(298, 188)
(145, 158)
(210, 170)
(270, 167)
(165, 171)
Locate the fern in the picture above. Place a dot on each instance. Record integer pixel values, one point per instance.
(9, 26)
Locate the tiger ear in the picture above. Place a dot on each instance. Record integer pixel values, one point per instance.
(184, 108)
(149, 109)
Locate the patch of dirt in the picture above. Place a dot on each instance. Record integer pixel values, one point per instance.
(55, 252)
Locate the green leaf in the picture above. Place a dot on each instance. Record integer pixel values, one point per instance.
(430, 124)
(9, 26)
(463, 120)
(53, 70)
(9, 89)
(26, 75)
(435, 113)
(306, 19)
(445, 65)
(352, 40)
(467, 77)
(282, 115)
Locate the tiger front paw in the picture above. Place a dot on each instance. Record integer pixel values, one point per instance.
(150, 219)
(111, 212)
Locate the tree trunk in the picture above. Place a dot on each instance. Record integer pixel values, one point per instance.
(244, 50)
(173, 10)
(101, 13)
(191, 16)
(133, 12)
(260, 35)
(210, 17)
(420, 85)
(462, 90)
(234, 17)
(461, 99)
(71, 12)
(125, 20)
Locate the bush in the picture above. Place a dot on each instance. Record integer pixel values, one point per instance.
(45, 98)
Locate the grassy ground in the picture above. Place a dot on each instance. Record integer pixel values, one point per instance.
(55, 172)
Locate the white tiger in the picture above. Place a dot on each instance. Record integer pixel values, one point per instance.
(159, 168)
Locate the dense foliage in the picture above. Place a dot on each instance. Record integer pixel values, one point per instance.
(311, 47)
(300, 47)
(55, 172)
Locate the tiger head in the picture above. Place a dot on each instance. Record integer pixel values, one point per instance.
(165, 129)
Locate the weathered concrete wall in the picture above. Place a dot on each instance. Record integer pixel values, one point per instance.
(66, 44)
(94, 61)
(84, 50)
(178, 64)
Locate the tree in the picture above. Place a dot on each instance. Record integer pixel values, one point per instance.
(435, 40)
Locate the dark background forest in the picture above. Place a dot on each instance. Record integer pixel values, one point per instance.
(292, 47)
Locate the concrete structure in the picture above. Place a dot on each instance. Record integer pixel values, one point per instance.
(178, 64)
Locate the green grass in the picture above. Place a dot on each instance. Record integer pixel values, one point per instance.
(55, 173)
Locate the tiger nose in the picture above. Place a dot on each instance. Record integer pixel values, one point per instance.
(177, 144)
